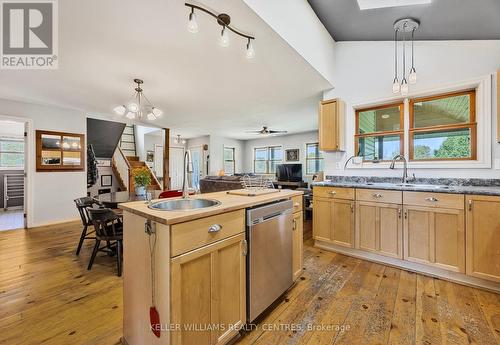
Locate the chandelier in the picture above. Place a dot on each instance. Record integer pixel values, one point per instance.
(405, 26)
(139, 106)
(179, 140)
(223, 20)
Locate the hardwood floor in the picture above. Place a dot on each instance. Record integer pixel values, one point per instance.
(48, 297)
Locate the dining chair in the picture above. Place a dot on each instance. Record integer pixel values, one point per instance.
(81, 205)
(109, 228)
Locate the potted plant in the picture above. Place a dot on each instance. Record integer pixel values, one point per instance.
(142, 179)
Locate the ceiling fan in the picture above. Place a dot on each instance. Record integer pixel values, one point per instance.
(266, 131)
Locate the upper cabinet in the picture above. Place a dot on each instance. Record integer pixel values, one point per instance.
(331, 125)
(498, 106)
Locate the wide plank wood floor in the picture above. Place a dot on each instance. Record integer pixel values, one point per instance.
(48, 297)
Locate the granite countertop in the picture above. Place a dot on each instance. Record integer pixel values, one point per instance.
(228, 203)
(453, 186)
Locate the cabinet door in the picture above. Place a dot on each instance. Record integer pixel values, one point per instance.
(483, 237)
(379, 228)
(435, 236)
(328, 126)
(322, 215)
(208, 288)
(297, 240)
(342, 219)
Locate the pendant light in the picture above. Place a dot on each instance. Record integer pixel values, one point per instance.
(223, 20)
(136, 108)
(395, 82)
(405, 25)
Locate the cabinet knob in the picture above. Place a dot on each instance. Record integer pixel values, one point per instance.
(470, 204)
(332, 193)
(294, 224)
(399, 213)
(377, 195)
(215, 228)
(296, 204)
(431, 199)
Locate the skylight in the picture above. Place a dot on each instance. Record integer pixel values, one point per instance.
(371, 4)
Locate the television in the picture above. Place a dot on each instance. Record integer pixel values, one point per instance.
(289, 172)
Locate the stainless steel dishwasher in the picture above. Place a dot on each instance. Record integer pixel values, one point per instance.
(269, 263)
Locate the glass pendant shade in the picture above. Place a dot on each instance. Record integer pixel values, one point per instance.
(250, 51)
(395, 86)
(151, 117)
(192, 24)
(404, 88)
(120, 110)
(412, 78)
(130, 115)
(133, 107)
(156, 112)
(224, 38)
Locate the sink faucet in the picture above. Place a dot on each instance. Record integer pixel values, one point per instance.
(187, 168)
(405, 168)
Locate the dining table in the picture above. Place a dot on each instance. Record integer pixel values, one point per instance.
(113, 199)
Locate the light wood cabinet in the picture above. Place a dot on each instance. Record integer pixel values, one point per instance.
(435, 236)
(331, 125)
(483, 237)
(333, 221)
(379, 228)
(297, 240)
(208, 288)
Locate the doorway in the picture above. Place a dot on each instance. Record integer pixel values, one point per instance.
(13, 168)
(176, 169)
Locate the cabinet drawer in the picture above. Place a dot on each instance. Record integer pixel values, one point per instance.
(455, 201)
(187, 236)
(297, 203)
(334, 192)
(379, 195)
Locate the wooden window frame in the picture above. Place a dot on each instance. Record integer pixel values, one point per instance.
(61, 167)
(399, 132)
(233, 160)
(471, 125)
(267, 160)
(319, 158)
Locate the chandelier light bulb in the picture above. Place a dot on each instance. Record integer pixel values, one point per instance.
(133, 107)
(395, 86)
(192, 24)
(224, 38)
(156, 112)
(130, 115)
(412, 78)
(120, 110)
(151, 117)
(404, 87)
(250, 51)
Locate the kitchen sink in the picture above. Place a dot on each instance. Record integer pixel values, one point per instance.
(183, 204)
(423, 186)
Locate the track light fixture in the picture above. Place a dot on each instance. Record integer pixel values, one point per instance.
(404, 26)
(223, 20)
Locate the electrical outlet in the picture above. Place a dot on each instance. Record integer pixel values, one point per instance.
(338, 165)
(497, 164)
(357, 160)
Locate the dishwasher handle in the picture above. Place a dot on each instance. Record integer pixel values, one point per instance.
(271, 216)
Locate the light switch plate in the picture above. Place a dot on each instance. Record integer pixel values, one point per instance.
(338, 165)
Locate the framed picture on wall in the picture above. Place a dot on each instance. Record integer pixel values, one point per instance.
(106, 180)
(150, 156)
(292, 155)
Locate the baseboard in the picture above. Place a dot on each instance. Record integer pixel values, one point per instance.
(59, 222)
(434, 272)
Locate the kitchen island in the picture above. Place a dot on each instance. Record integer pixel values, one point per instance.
(199, 268)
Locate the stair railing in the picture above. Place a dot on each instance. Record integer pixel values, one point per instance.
(122, 166)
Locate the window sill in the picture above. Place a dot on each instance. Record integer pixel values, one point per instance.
(13, 168)
(425, 165)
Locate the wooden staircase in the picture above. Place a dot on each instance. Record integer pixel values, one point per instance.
(122, 167)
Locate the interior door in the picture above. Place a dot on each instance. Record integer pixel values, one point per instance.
(175, 167)
(197, 158)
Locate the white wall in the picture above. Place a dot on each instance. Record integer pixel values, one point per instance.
(292, 141)
(216, 148)
(301, 29)
(364, 73)
(50, 194)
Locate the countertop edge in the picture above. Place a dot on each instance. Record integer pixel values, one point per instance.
(468, 190)
(210, 211)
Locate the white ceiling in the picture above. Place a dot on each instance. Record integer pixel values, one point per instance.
(202, 87)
